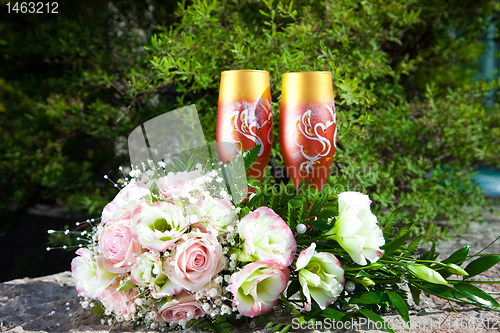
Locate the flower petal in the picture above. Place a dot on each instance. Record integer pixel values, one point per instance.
(305, 256)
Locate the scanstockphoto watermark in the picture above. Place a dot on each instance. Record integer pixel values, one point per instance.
(397, 324)
(347, 171)
(350, 178)
(329, 324)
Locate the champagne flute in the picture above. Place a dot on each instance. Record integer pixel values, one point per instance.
(244, 115)
(308, 126)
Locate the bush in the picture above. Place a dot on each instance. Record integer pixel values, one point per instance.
(412, 125)
(62, 116)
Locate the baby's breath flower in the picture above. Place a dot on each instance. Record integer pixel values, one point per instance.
(225, 309)
(183, 323)
(152, 315)
(212, 292)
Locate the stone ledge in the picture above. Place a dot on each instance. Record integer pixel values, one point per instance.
(45, 304)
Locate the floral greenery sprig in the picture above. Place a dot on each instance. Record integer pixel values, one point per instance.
(172, 252)
(372, 287)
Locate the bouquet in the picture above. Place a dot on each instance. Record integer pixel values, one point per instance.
(192, 246)
(179, 253)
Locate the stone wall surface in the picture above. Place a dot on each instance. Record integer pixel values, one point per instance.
(50, 303)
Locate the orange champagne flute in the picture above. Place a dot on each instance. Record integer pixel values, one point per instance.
(308, 126)
(244, 115)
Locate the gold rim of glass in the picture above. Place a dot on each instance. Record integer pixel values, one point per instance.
(245, 70)
(313, 72)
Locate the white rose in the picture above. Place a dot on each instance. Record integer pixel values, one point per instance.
(356, 228)
(321, 277)
(91, 278)
(148, 272)
(157, 226)
(267, 237)
(214, 213)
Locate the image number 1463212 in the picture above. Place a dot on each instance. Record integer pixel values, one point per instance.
(33, 7)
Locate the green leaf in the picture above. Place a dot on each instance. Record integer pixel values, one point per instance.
(426, 274)
(476, 294)
(277, 327)
(481, 264)
(126, 285)
(375, 318)
(395, 244)
(286, 328)
(221, 325)
(251, 155)
(161, 302)
(455, 269)
(405, 229)
(415, 293)
(97, 310)
(270, 324)
(442, 290)
(400, 305)
(414, 244)
(370, 298)
(459, 256)
(431, 254)
(365, 281)
(333, 314)
(263, 318)
(391, 222)
(180, 166)
(273, 326)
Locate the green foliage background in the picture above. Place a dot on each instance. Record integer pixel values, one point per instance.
(412, 123)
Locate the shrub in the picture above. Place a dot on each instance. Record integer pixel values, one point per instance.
(412, 125)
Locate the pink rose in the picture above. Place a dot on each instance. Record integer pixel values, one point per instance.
(125, 202)
(267, 237)
(175, 184)
(183, 308)
(196, 259)
(257, 287)
(118, 247)
(121, 303)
